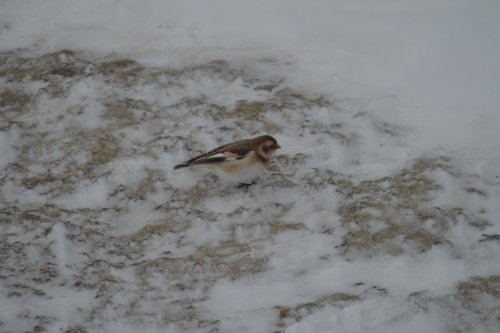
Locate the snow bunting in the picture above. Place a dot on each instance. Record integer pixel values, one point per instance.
(239, 161)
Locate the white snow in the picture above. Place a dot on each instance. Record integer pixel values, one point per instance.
(8, 149)
(87, 195)
(115, 241)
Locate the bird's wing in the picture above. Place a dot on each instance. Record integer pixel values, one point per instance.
(230, 152)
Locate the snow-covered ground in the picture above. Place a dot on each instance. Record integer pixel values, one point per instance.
(379, 214)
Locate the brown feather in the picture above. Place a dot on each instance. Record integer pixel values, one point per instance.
(238, 149)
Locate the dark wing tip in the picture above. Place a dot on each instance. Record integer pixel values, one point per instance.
(218, 159)
(189, 163)
(178, 166)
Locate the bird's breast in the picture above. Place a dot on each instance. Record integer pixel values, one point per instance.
(245, 169)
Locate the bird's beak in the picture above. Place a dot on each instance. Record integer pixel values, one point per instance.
(278, 146)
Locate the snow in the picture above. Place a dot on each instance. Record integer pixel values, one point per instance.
(8, 149)
(379, 213)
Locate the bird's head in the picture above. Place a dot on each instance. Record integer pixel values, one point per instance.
(265, 146)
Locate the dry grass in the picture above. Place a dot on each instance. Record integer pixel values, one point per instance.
(52, 164)
(289, 315)
(399, 203)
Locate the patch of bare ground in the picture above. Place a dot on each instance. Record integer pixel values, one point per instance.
(392, 213)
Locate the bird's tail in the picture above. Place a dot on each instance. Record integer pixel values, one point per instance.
(183, 165)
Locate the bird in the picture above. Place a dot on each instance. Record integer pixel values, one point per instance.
(239, 161)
